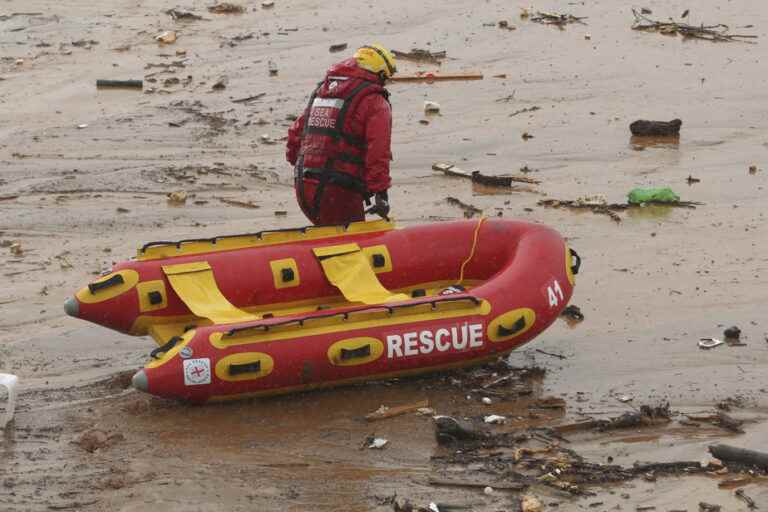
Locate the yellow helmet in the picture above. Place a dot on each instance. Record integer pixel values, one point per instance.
(376, 59)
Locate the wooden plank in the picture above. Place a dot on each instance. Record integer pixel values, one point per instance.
(431, 77)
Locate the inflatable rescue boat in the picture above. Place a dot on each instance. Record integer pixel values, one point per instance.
(289, 310)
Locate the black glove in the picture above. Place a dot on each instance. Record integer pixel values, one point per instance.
(381, 205)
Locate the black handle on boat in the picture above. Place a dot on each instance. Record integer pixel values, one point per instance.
(352, 353)
(239, 369)
(576, 262)
(518, 326)
(345, 314)
(112, 281)
(155, 354)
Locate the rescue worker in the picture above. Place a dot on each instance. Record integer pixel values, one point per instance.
(340, 146)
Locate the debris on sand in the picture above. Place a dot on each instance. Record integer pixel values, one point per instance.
(220, 84)
(226, 8)
(753, 169)
(604, 208)
(96, 439)
(16, 249)
(504, 24)
(746, 499)
(716, 33)
(646, 415)
(530, 503)
(739, 456)
(167, 37)
(128, 84)
(709, 343)
(420, 55)
(431, 107)
(374, 443)
(182, 15)
(242, 204)
(732, 333)
(469, 210)
(557, 19)
(337, 47)
(482, 179)
(177, 198)
(384, 412)
(664, 195)
(645, 128)
(573, 313)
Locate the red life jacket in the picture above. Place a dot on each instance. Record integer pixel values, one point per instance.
(333, 154)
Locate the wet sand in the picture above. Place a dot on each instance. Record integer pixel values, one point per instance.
(78, 199)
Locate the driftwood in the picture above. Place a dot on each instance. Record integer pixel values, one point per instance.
(645, 416)
(730, 454)
(645, 128)
(482, 179)
(716, 33)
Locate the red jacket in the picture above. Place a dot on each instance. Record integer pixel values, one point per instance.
(371, 121)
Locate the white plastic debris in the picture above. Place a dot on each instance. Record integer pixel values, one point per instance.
(625, 398)
(488, 490)
(81, 126)
(495, 419)
(426, 411)
(487, 401)
(707, 343)
(9, 381)
(378, 443)
(433, 507)
(431, 107)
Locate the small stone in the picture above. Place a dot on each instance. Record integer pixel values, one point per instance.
(486, 400)
(732, 332)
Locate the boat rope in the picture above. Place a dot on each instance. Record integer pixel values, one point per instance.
(471, 252)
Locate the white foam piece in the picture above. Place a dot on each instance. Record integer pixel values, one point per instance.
(9, 382)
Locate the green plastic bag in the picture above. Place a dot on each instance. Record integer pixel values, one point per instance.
(656, 195)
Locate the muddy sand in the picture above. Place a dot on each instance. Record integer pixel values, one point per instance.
(85, 174)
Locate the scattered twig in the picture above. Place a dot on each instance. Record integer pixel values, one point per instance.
(715, 33)
(559, 356)
(524, 110)
(557, 19)
(746, 499)
(250, 98)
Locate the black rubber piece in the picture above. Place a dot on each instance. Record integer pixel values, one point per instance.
(112, 281)
(287, 275)
(155, 298)
(379, 261)
(239, 369)
(353, 353)
(518, 326)
(419, 292)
